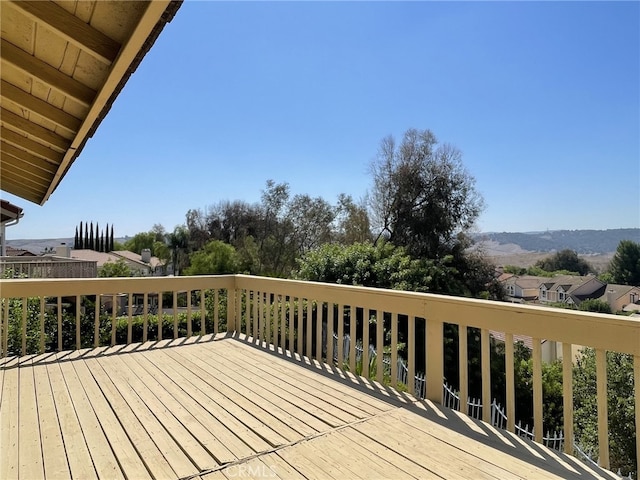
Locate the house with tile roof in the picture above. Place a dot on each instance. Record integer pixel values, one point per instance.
(139, 267)
(152, 265)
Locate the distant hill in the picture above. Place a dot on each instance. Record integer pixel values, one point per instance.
(587, 242)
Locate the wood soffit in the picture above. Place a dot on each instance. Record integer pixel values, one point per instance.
(63, 63)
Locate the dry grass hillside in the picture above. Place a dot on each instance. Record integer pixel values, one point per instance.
(512, 254)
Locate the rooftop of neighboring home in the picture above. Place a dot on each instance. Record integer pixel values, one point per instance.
(19, 252)
(527, 281)
(135, 257)
(91, 255)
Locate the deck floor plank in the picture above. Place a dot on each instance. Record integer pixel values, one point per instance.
(75, 445)
(147, 410)
(29, 446)
(146, 447)
(257, 414)
(216, 411)
(309, 410)
(434, 458)
(328, 412)
(99, 447)
(53, 453)
(164, 408)
(284, 470)
(369, 405)
(128, 459)
(486, 449)
(220, 408)
(346, 439)
(386, 454)
(182, 406)
(9, 424)
(293, 417)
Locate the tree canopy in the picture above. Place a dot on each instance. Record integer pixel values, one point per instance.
(566, 260)
(215, 258)
(422, 198)
(115, 269)
(620, 400)
(625, 265)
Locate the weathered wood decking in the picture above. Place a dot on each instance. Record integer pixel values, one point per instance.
(223, 408)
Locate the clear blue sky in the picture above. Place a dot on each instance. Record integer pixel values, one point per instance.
(542, 99)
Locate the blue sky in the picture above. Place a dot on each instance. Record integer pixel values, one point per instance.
(542, 99)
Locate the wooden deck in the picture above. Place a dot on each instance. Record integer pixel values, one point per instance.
(223, 408)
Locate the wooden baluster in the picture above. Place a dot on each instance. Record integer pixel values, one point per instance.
(486, 374)
(411, 340)
(340, 336)
(319, 321)
(96, 321)
(567, 397)
(330, 320)
(463, 360)
(435, 364)
(510, 382)
(379, 345)
(394, 350)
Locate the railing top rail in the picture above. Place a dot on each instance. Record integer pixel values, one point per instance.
(610, 332)
(28, 287)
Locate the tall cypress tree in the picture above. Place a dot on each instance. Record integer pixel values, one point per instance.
(81, 239)
(111, 244)
(102, 241)
(97, 249)
(91, 243)
(75, 239)
(86, 235)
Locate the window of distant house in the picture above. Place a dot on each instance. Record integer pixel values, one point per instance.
(511, 290)
(633, 297)
(544, 293)
(561, 296)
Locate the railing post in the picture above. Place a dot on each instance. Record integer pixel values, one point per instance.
(435, 364)
(538, 426)
(601, 392)
(510, 382)
(636, 384)
(231, 310)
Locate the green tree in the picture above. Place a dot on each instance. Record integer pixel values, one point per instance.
(595, 305)
(422, 196)
(311, 221)
(115, 269)
(625, 265)
(565, 260)
(215, 258)
(140, 241)
(178, 241)
(352, 221)
(620, 404)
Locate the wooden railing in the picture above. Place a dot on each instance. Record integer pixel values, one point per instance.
(301, 317)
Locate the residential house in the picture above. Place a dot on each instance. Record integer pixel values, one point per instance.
(152, 266)
(622, 297)
(570, 289)
(19, 252)
(134, 261)
(523, 288)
